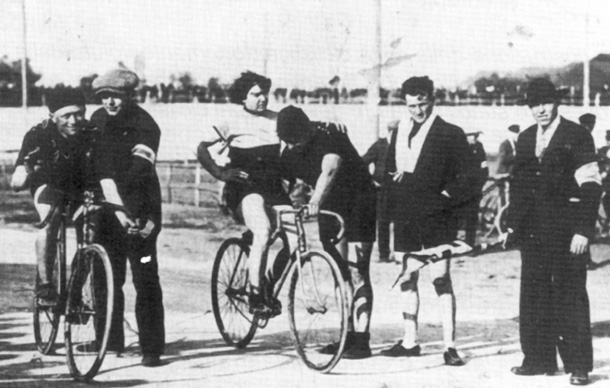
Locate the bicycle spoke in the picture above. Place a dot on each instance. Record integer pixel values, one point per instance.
(229, 296)
(318, 311)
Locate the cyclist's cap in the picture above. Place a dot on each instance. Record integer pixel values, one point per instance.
(541, 91)
(514, 128)
(117, 81)
(292, 124)
(61, 98)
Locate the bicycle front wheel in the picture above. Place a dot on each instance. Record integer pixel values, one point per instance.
(318, 310)
(230, 294)
(89, 312)
(46, 317)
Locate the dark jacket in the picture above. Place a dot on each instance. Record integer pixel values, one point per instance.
(441, 167)
(546, 200)
(125, 152)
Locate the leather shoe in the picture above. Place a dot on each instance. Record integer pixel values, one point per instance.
(400, 351)
(579, 377)
(531, 371)
(452, 358)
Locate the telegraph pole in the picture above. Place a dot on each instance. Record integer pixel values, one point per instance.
(375, 82)
(24, 85)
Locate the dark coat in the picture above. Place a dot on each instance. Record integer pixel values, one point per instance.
(441, 167)
(545, 198)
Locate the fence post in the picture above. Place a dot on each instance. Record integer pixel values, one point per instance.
(197, 183)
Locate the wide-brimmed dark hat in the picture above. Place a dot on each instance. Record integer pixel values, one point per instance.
(541, 90)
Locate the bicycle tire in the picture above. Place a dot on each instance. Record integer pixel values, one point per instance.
(320, 273)
(47, 318)
(89, 312)
(230, 296)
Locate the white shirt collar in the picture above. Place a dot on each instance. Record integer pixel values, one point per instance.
(407, 157)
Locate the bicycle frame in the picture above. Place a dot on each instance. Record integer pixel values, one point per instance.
(297, 228)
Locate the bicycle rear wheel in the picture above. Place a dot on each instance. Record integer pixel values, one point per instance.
(89, 312)
(230, 294)
(318, 310)
(47, 317)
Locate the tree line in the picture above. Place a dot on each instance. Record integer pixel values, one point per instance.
(490, 89)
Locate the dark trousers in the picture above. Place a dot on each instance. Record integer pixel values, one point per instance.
(554, 306)
(142, 256)
(383, 224)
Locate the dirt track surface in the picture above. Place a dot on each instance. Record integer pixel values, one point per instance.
(486, 287)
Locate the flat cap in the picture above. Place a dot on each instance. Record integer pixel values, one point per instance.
(120, 81)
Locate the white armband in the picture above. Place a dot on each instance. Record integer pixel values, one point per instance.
(144, 152)
(588, 173)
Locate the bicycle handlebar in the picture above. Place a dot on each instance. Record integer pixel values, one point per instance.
(303, 213)
(88, 199)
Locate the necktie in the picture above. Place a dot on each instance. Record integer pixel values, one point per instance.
(414, 130)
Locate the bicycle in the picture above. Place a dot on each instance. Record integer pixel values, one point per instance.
(495, 202)
(318, 299)
(86, 301)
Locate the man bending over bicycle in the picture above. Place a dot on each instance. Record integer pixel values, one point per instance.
(53, 160)
(326, 159)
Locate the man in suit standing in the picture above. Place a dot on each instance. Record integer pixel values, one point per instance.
(555, 196)
(426, 180)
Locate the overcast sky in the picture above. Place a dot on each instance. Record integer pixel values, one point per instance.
(305, 43)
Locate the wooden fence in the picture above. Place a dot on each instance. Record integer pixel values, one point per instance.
(182, 182)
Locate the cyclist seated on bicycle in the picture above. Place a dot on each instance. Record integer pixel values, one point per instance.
(53, 161)
(327, 160)
(253, 191)
(253, 184)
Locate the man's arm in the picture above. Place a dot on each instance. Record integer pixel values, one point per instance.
(330, 167)
(111, 194)
(224, 174)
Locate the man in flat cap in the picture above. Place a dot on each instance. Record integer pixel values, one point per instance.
(324, 158)
(52, 162)
(124, 161)
(427, 178)
(555, 197)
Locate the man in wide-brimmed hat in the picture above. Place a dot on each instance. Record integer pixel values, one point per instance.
(554, 199)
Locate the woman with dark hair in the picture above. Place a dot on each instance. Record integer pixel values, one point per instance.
(253, 184)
